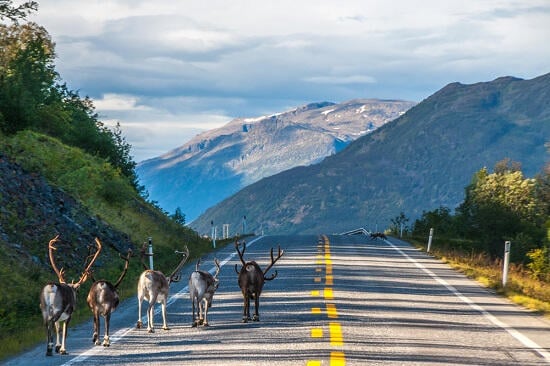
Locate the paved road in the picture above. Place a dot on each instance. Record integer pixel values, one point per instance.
(338, 300)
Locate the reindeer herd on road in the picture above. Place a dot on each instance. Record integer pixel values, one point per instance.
(58, 300)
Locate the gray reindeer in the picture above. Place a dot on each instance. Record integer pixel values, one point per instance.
(202, 286)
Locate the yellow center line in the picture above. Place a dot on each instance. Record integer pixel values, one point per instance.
(336, 337)
(337, 359)
(331, 311)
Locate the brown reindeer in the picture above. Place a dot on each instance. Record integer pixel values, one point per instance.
(251, 281)
(103, 299)
(154, 287)
(58, 300)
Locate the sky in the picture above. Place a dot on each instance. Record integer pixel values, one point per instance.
(167, 70)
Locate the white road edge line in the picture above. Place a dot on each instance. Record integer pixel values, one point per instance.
(513, 332)
(123, 332)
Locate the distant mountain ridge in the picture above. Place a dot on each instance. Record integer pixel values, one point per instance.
(419, 161)
(219, 162)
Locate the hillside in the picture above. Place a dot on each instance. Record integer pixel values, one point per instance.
(48, 188)
(217, 163)
(420, 161)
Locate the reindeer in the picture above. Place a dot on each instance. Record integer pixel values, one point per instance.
(103, 300)
(378, 235)
(58, 300)
(202, 286)
(154, 286)
(251, 281)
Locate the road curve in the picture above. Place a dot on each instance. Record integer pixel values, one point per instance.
(337, 300)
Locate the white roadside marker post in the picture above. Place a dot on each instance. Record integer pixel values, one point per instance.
(507, 245)
(430, 240)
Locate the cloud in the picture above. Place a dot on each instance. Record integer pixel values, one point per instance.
(169, 69)
(347, 79)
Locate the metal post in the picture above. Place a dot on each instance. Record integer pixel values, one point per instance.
(507, 245)
(150, 254)
(215, 236)
(212, 234)
(430, 239)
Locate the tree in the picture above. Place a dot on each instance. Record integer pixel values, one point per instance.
(502, 206)
(27, 75)
(439, 219)
(179, 216)
(16, 13)
(399, 223)
(33, 97)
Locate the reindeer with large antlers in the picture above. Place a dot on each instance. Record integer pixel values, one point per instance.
(202, 286)
(103, 299)
(252, 279)
(154, 287)
(58, 300)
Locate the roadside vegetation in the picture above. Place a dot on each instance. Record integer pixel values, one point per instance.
(499, 206)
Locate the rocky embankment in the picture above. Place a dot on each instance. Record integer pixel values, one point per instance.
(32, 212)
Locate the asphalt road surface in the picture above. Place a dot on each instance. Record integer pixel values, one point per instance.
(337, 300)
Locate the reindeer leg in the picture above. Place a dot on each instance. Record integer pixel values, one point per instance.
(150, 314)
(164, 323)
(95, 338)
(49, 335)
(194, 320)
(139, 323)
(62, 350)
(107, 319)
(256, 317)
(57, 341)
(206, 306)
(246, 308)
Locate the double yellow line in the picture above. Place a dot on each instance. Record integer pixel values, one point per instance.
(337, 357)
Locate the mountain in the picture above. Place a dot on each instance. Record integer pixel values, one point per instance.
(218, 163)
(420, 161)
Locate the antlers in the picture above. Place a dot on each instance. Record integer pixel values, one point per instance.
(176, 275)
(60, 273)
(273, 260)
(240, 253)
(126, 259)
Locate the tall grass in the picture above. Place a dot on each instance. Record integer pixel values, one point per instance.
(521, 286)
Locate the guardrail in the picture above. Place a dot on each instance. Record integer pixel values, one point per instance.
(356, 232)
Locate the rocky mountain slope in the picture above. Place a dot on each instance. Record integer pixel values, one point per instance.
(420, 161)
(217, 163)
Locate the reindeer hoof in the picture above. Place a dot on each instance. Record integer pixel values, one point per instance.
(139, 324)
(150, 330)
(106, 344)
(63, 352)
(97, 343)
(256, 318)
(165, 328)
(245, 320)
(57, 348)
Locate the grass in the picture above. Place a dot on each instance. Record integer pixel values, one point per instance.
(521, 288)
(107, 196)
